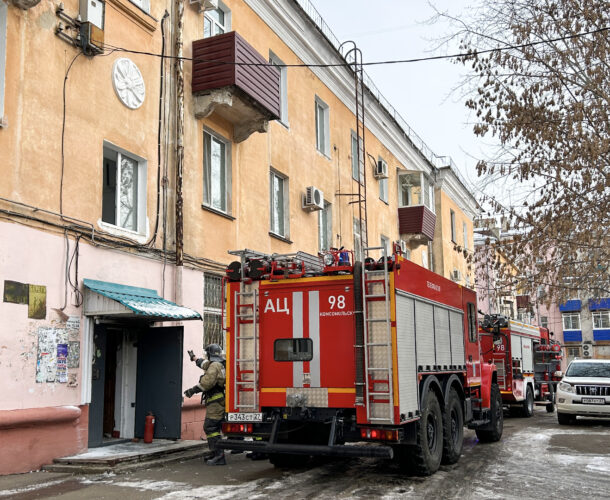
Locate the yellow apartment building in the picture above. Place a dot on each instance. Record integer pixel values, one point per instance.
(140, 141)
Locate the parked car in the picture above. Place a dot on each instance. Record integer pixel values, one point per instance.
(584, 390)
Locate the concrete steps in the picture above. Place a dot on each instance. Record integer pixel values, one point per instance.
(127, 457)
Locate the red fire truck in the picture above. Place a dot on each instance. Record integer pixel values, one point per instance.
(528, 362)
(330, 357)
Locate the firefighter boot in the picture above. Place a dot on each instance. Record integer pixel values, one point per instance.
(219, 459)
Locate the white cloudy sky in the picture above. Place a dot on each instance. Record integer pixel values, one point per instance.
(422, 92)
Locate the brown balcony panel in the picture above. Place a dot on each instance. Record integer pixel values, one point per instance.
(523, 301)
(418, 221)
(259, 84)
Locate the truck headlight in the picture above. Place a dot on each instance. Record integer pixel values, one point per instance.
(564, 386)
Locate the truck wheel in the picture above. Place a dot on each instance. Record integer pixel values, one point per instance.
(453, 429)
(426, 455)
(550, 407)
(492, 432)
(528, 404)
(565, 418)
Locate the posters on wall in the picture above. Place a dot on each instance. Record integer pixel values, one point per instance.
(56, 354)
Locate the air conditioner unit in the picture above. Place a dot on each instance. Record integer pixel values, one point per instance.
(381, 170)
(456, 275)
(313, 199)
(587, 350)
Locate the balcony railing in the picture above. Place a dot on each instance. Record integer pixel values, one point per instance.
(417, 221)
(232, 79)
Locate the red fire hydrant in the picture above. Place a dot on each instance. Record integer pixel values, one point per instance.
(149, 428)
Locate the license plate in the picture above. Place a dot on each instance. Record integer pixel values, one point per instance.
(244, 417)
(593, 401)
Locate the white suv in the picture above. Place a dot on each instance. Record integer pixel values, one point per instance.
(584, 390)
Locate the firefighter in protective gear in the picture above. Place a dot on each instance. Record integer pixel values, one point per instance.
(212, 384)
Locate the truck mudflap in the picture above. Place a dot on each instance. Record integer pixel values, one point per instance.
(373, 451)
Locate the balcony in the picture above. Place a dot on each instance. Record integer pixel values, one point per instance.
(417, 222)
(246, 96)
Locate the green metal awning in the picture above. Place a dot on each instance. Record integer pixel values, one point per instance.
(132, 301)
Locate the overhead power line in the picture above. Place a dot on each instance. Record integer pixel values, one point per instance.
(373, 63)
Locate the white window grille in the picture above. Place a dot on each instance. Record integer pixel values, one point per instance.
(571, 321)
(212, 310)
(415, 189)
(601, 319)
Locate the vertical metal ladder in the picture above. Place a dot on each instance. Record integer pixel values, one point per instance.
(245, 361)
(379, 390)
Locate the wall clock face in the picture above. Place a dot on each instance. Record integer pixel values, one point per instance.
(128, 83)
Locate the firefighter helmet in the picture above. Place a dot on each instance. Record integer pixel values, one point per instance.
(214, 352)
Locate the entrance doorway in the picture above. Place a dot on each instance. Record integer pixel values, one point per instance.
(136, 370)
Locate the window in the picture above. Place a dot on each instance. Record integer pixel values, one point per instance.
(124, 189)
(216, 21)
(424, 258)
(322, 127)
(601, 319)
(544, 321)
(573, 352)
(3, 10)
(354, 149)
(472, 322)
(383, 186)
(325, 227)
(279, 204)
(142, 4)
(415, 189)
(358, 255)
(216, 172)
(465, 231)
(273, 59)
(453, 235)
(293, 350)
(571, 321)
(212, 309)
(385, 244)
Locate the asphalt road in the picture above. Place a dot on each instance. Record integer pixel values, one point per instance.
(536, 459)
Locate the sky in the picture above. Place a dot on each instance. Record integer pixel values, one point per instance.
(426, 94)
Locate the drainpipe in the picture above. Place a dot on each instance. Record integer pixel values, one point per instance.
(179, 148)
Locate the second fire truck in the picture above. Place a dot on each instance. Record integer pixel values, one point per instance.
(527, 359)
(377, 359)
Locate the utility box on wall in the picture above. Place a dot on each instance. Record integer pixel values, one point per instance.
(92, 11)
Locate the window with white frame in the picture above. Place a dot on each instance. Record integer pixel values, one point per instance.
(383, 185)
(279, 204)
(354, 153)
(216, 172)
(212, 309)
(3, 16)
(424, 258)
(453, 230)
(216, 21)
(123, 189)
(571, 321)
(322, 127)
(325, 227)
(142, 4)
(601, 319)
(358, 255)
(465, 231)
(414, 189)
(385, 244)
(273, 59)
(544, 321)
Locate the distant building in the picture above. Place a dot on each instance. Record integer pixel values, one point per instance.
(586, 327)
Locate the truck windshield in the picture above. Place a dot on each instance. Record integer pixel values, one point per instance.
(589, 370)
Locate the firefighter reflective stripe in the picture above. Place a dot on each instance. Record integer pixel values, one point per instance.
(212, 434)
(297, 333)
(215, 397)
(314, 335)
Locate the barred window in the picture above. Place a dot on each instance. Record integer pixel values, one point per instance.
(212, 310)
